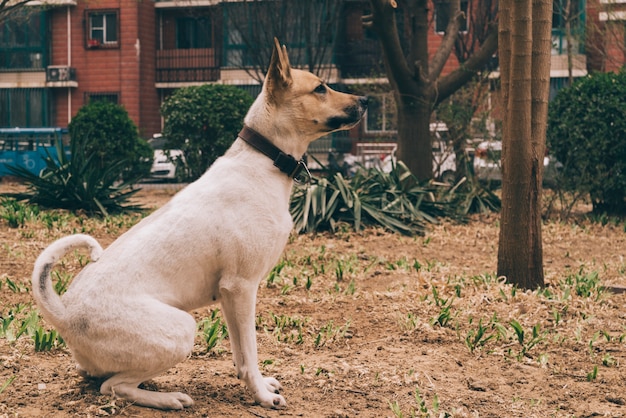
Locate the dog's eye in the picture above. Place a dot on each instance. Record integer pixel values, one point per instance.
(321, 89)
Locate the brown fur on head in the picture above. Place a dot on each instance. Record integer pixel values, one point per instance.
(304, 102)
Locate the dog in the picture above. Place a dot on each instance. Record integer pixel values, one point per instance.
(125, 315)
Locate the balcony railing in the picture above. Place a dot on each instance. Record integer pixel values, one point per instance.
(187, 65)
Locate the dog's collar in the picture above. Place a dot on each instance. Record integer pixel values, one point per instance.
(296, 169)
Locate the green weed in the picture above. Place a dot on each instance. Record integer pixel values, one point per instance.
(330, 332)
(213, 330)
(593, 374)
(7, 383)
(527, 343)
(421, 409)
(47, 340)
(17, 214)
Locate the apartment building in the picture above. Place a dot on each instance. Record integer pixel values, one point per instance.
(57, 57)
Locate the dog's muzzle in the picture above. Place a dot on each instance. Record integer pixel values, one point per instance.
(353, 115)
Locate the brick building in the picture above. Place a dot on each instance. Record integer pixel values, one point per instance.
(55, 58)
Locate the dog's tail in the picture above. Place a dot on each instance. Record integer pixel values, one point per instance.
(47, 299)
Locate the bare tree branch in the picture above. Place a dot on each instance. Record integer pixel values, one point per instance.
(7, 7)
(447, 43)
(311, 25)
(476, 62)
(383, 22)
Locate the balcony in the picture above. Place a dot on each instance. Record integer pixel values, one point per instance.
(179, 66)
(171, 4)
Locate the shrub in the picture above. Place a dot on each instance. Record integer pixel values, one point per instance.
(587, 134)
(203, 121)
(107, 134)
(79, 183)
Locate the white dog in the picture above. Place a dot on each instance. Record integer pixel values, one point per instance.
(125, 318)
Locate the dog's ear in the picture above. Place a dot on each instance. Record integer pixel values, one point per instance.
(279, 73)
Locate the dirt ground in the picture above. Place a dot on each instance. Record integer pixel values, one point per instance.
(354, 324)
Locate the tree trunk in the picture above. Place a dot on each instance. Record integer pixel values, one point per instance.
(413, 127)
(525, 62)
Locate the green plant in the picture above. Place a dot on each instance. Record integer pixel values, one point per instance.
(78, 183)
(394, 201)
(593, 374)
(212, 330)
(590, 142)
(275, 273)
(477, 337)
(203, 121)
(526, 343)
(16, 213)
(7, 383)
(7, 324)
(584, 284)
(47, 340)
(287, 329)
(107, 135)
(329, 332)
(471, 196)
(15, 287)
(62, 281)
(422, 409)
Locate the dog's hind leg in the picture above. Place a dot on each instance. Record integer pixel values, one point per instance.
(125, 385)
(238, 306)
(154, 339)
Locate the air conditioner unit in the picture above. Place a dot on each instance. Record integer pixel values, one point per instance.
(60, 73)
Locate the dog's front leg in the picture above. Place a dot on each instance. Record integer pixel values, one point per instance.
(238, 305)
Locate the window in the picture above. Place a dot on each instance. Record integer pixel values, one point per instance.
(442, 15)
(193, 33)
(564, 12)
(23, 108)
(106, 97)
(381, 114)
(102, 31)
(248, 23)
(23, 40)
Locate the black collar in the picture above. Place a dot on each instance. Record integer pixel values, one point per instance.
(286, 163)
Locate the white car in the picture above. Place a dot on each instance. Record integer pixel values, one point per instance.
(487, 161)
(444, 158)
(164, 167)
(165, 162)
(488, 154)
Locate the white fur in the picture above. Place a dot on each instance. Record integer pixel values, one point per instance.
(125, 316)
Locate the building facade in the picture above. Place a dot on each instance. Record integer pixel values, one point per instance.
(57, 57)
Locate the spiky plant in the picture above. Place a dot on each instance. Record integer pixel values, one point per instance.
(77, 183)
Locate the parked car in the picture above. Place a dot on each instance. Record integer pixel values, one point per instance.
(487, 157)
(487, 168)
(165, 165)
(444, 158)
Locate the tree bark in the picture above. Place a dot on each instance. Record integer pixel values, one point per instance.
(525, 44)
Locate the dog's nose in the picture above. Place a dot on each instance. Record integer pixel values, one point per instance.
(363, 100)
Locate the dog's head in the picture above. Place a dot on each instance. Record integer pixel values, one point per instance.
(304, 101)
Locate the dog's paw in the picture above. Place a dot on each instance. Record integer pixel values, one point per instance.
(183, 399)
(269, 398)
(272, 384)
(172, 400)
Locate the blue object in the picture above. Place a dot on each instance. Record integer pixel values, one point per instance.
(28, 148)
